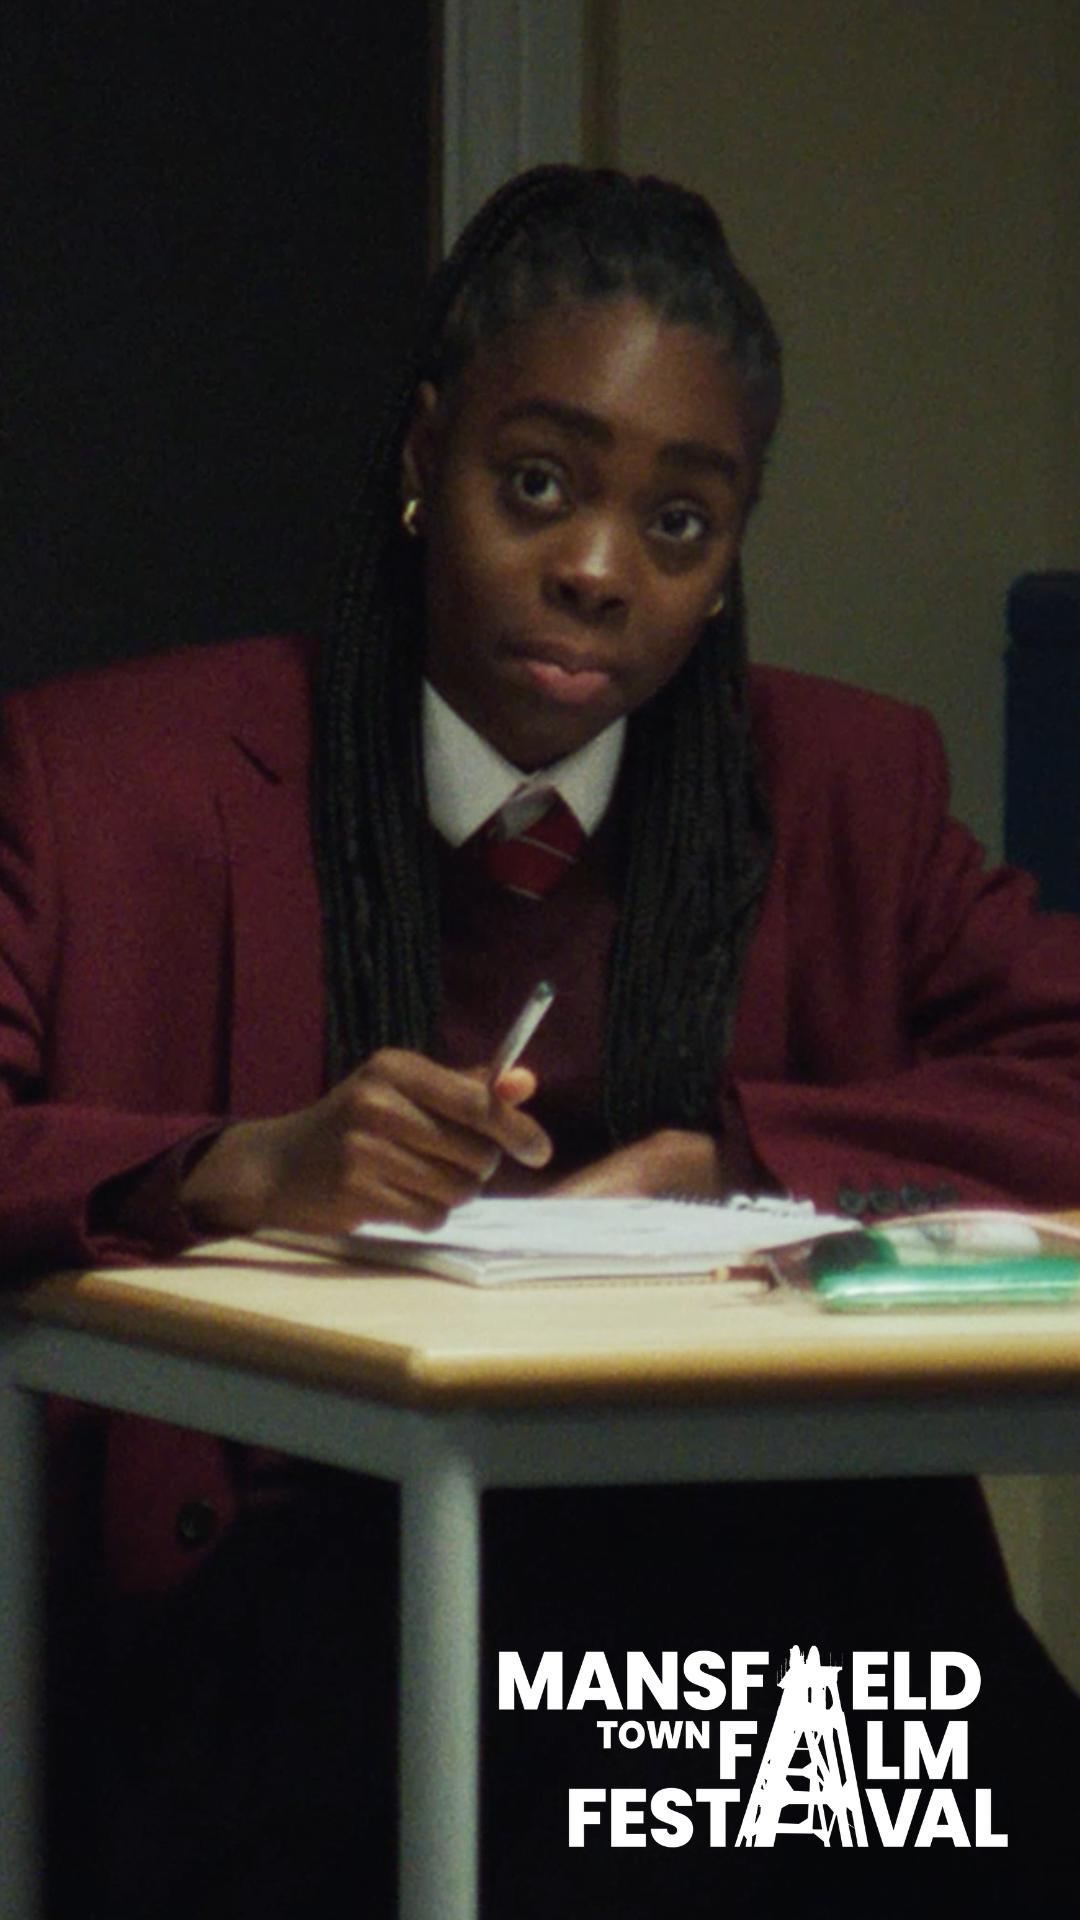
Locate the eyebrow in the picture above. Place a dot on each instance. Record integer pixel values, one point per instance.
(690, 456)
(574, 420)
(700, 456)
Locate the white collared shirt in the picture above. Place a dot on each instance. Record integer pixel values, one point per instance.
(467, 781)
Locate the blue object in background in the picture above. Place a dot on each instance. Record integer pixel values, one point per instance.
(1042, 734)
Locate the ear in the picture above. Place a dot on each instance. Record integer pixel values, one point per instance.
(418, 451)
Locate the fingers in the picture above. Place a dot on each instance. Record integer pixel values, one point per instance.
(408, 1115)
(395, 1184)
(515, 1085)
(399, 1139)
(447, 1113)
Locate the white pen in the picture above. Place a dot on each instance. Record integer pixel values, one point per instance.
(521, 1030)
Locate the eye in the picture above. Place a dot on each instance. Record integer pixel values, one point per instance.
(681, 524)
(536, 486)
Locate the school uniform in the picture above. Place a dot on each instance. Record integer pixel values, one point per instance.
(908, 1030)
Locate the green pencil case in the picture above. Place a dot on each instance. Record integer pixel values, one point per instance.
(968, 1258)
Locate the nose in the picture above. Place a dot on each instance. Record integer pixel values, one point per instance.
(589, 572)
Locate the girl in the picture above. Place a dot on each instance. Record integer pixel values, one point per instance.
(778, 965)
(585, 425)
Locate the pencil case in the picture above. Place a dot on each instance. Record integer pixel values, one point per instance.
(978, 1256)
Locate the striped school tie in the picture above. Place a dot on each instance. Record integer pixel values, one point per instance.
(531, 863)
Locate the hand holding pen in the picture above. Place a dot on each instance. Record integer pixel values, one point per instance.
(400, 1138)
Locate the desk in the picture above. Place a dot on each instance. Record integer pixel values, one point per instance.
(449, 1390)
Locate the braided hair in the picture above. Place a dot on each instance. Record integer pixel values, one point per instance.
(697, 842)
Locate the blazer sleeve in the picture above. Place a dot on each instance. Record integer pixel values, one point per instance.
(936, 1014)
(56, 1153)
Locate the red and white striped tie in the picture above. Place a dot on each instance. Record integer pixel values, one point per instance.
(532, 862)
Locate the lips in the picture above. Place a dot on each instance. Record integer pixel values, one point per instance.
(559, 653)
(566, 674)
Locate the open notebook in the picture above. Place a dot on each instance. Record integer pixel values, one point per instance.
(489, 1242)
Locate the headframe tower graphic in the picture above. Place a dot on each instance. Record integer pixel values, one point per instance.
(806, 1781)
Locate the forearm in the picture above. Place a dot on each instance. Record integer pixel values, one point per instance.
(707, 1165)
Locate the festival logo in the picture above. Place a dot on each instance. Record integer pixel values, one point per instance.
(874, 1772)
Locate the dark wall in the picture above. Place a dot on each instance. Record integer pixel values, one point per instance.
(215, 235)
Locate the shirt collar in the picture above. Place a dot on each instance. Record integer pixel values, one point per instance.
(467, 780)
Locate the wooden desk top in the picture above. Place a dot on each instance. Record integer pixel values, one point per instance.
(433, 1343)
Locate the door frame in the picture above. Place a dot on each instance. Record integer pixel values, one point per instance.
(512, 95)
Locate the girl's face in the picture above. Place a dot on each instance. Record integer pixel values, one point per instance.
(585, 489)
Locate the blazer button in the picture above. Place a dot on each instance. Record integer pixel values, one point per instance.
(196, 1524)
(849, 1200)
(881, 1201)
(913, 1198)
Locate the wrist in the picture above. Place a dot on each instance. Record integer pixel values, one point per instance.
(226, 1188)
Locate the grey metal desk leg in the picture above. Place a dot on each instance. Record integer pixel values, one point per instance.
(440, 1673)
(21, 1528)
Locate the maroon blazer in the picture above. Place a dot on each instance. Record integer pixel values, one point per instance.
(905, 1019)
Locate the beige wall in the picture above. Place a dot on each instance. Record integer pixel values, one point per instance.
(889, 175)
(902, 180)
(1066, 281)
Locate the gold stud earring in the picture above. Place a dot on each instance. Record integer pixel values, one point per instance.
(412, 515)
(717, 607)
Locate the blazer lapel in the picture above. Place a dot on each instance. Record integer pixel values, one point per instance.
(276, 1017)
